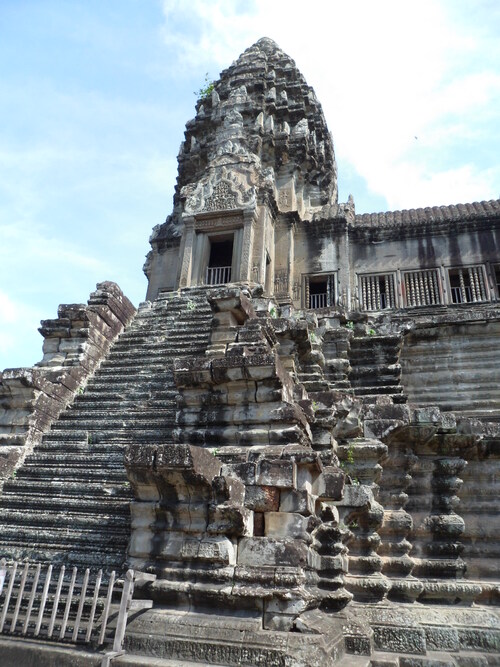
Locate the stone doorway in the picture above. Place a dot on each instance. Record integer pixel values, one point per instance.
(220, 261)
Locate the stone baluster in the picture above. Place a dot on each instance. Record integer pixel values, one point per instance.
(440, 564)
(482, 286)
(477, 507)
(462, 285)
(363, 515)
(422, 290)
(397, 523)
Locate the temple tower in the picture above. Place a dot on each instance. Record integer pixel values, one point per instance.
(256, 160)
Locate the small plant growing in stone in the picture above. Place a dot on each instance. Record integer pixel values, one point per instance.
(190, 305)
(312, 337)
(314, 405)
(371, 332)
(273, 312)
(206, 90)
(80, 391)
(90, 439)
(349, 325)
(353, 525)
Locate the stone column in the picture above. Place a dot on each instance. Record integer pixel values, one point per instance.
(344, 272)
(291, 255)
(187, 253)
(247, 246)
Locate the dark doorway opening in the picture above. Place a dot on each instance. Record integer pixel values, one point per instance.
(220, 261)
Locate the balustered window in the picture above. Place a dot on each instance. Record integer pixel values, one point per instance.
(422, 288)
(320, 291)
(377, 292)
(220, 261)
(467, 284)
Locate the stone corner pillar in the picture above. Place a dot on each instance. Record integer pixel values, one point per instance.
(186, 253)
(249, 219)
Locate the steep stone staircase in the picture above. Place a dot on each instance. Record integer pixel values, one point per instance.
(375, 368)
(69, 502)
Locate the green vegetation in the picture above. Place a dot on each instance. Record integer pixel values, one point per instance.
(206, 90)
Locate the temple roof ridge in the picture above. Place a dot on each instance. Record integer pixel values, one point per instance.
(429, 214)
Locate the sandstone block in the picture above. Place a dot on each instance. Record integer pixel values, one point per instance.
(286, 524)
(244, 471)
(230, 520)
(279, 473)
(269, 552)
(330, 484)
(297, 501)
(262, 498)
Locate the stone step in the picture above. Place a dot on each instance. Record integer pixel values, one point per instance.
(158, 351)
(121, 385)
(89, 396)
(73, 474)
(123, 406)
(157, 354)
(71, 436)
(44, 502)
(374, 382)
(132, 660)
(60, 488)
(375, 369)
(75, 555)
(116, 436)
(147, 415)
(60, 461)
(132, 375)
(372, 341)
(79, 535)
(85, 449)
(40, 518)
(377, 391)
(113, 423)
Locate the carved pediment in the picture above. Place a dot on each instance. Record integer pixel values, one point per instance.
(221, 191)
(221, 199)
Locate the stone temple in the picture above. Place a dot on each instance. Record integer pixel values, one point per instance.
(294, 441)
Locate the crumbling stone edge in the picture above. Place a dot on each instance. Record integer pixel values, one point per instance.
(75, 343)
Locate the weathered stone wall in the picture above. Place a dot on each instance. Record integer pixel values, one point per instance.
(453, 366)
(74, 345)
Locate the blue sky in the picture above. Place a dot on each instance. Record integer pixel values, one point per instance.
(94, 97)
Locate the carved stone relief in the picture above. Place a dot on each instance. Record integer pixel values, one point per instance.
(223, 190)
